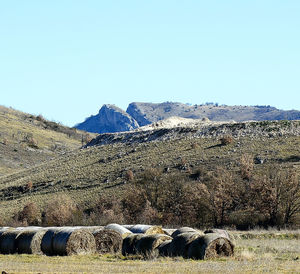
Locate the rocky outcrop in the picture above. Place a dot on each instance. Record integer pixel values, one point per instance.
(215, 130)
(147, 113)
(109, 119)
(113, 119)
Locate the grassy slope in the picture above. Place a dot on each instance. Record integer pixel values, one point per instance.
(16, 153)
(86, 173)
(252, 255)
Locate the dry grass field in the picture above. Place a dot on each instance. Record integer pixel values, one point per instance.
(262, 251)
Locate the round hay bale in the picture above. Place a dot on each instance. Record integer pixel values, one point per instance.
(46, 246)
(8, 242)
(120, 229)
(146, 229)
(183, 230)
(210, 246)
(148, 244)
(180, 243)
(30, 242)
(108, 241)
(169, 231)
(72, 242)
(129, 244)
(164, 248)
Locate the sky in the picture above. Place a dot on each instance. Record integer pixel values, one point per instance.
(64, 59)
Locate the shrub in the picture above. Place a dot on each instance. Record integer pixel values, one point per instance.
(129, 176)
(30, 141)
(30, 215)
(107, 210)
(246, 166)
(40, 118)
(59, 211)
(194, 146)
(29, 186)
(226, 140)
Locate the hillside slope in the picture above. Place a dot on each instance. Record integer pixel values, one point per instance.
(99, 169)
(27, 140)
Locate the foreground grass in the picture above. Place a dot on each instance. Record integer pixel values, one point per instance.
(252, 255)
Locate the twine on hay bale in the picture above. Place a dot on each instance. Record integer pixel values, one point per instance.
(180, 243)
(184, 229)
(209, 246)
(108, 241)
(8, 241)
(120, 229)
(148, 244)
(129, 244)
(164, 248)
(146, 229)
(72, 242)
(30, 241)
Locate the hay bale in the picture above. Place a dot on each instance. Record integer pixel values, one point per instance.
(180, 243)
(46, 246)
(108, 241)
(210, 246)
(29, 242)
(164, 248)
(72, 242)
(8, 241)
(129, 244)
(120, 229)
(183, 230)
(169, 231)
(148, 244)
(146, 229)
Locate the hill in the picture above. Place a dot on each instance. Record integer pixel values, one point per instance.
(27, 140)
(101, 168)
(109, 119)
(113, 119)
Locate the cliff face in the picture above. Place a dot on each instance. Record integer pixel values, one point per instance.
(109, 119)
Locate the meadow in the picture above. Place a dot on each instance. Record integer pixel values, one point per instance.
(255, 251)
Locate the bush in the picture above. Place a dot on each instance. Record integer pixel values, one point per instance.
(30, 215)
(129, 176)
(226, 140)
(59, 211)
(246, 166)
(107, 210)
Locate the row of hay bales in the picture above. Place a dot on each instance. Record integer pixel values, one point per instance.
(186, 242)
(59, 240)
(146, 240)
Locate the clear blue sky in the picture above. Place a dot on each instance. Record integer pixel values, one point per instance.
(65, 58)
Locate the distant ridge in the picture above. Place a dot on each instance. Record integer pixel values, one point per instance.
(113, 119)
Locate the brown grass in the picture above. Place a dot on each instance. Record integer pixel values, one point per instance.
(252, 255)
